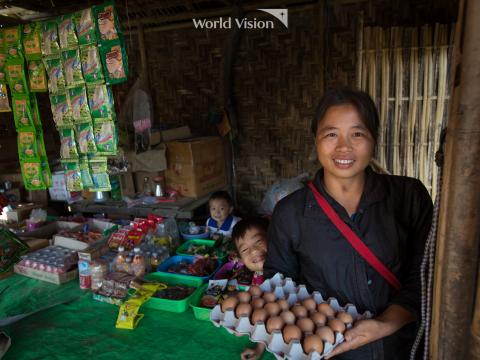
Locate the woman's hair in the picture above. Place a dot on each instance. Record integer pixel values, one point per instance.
(360, 100)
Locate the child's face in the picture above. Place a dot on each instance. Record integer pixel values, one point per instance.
(219, 209)
(252, 248)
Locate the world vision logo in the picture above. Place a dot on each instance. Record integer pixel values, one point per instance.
(244, 23)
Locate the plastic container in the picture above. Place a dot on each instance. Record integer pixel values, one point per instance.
(179, 258)
(203, 234)
(182, 249)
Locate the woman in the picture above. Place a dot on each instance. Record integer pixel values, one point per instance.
(390, 214)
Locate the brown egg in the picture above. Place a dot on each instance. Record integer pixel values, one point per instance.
(336, 325)
(306, 324)
(258, 303)
(309, 304)
(326, 309)
(274, 323)
(291, 332)
(244, 296)
(326, 334)
(259, 315)
(283, 304)
(272, 308)
(243, 309)
(229, 303)
(344, 317)
(255, 291)
(288, 317)
(312, 343)
(269, 297)
(299, 311)
(319, 319)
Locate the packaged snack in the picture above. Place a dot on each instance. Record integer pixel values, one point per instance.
(12, 41)
(47, 174)
(98, 170)
(85, 139)
(85, 27)
(35, 113)
(66, 32)
(73, 68)
(62, 113)
(32, 41)
(4, 104)
(27, 144)
(68, 147)
(22, 111)
(3, 75)
(115, 62)
(99, 101)
(15, 70)
(91, 64)
(56, 77)
(72, 175)
(42, 153)
(49, 39)
(78, 101)
(37, 78)
(85, 172)
(32, 175)
(11, 248)
(107, 21)
(105, 139)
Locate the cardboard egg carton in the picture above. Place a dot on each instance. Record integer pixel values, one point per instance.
(283, 288)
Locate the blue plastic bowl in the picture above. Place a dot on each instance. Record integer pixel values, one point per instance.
(163, 267)
(202, 235)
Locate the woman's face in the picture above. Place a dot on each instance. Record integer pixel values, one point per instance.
(344, 145)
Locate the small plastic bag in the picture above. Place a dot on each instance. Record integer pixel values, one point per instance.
(85, 27)
(107, 22)
(4, 103)
(68, 147)
(50, 46)
(73, 176)
(66, 32)
(100, 178)
(3, 74)
(85, 172)
(99, 101)
(15, 70)
(115, 63)
(56, 77)
(85, 139)
(22, 111)
(72, 67)
(61, 110)
(91, 64)
(37, 77)
(32, 174)
(11, 41)
(27, 144)
(105, 139)
(32, 41)
(79, 103)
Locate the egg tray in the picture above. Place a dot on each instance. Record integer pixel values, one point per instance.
(283, 288)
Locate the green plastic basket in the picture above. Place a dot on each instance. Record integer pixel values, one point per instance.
(200, 313)
(182, 249)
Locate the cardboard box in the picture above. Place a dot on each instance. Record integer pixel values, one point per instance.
(103, 227)
(139, 176)
(37, 197)
(158, 136)
(46, 276)
(151, 160)
(196, 166)
(21, 212)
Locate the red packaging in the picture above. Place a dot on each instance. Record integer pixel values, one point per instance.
(85, 281)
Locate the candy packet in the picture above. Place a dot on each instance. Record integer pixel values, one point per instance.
(56, 77)
(4, 103)
(22, 111)
(3, 59)
(107, 22)
(66, 32)
(50, 47)
(27, 144)
(32, 174)
(68, 147)
(37, 77)
(61, 110)
(99, 101)
(73, 177)
(32, 41)
(12, 41)
(78, 101)
(115, 62)
(85, 139)
(85, 27)
(91, 64)
(47, 174)
(100, 178)
(72, 67)
(85, 172)
(15, 71)
(105, 137)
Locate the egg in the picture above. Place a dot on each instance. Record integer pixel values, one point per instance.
(319, 319)
(326, 309)
(255, 291)
(259, 315)
(274, 323)
(229, 303)
(326, 334)
(269, 297)
(299, 311)
(312, 343)
(309, 304)
(288, 317)
(336, 325)
(272, 308)
(243, 309)
(306, 324)
(291, 332)
(344, 317)
(258, 303)
(244, 296)
(283, 304)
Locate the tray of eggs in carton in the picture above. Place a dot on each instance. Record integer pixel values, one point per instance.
(290, 321)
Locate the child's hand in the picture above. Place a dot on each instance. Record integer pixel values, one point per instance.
(253, 354)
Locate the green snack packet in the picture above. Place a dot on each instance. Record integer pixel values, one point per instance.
(3, 75)
(78, 101)
(61, 110)
(85, 139)
(56, 77)
(99, 101)
(22, 111)
(4, 103)
(32, 174)
(72, 67)
(98, 170)
(35, 113)
(85, 27)
(12, 41)
(73, 177)
(32, 41)
(37, 77)
(104, 132)
(115, 63)
(107, 22)
(85, 172)
(47, 174)
(66, 32)
(91, 64)
(68, 147)
(50, 47)
(27, 144)
(15, 70)
(42, 153)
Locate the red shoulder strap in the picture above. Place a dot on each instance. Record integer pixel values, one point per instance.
(354, 240)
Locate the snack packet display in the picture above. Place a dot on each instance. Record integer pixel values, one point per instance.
(37, 77)
(78, 101)
(98, 170)
(99, 101)
(85, 27)
(32, 41)
(105, 136)
(115, 62)
(62, 113)
(47, 174)
(15, 71)
(85, 172)
(107, 22)
(3, 59)
(72, 67)
(32, 175)
(91, 64)
(50, 47)
(72, 175)
(12, 41)
(4, 103)
(66, 32)
(27, 144)
(68, 147)
(22, 111)
(56, 77)
(85, 139)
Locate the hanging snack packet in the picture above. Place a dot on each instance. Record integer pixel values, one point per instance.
(115, 62)
(72, 175)
(42, 153)
(50, 47)
(85, 27)
(37, 78)
(73, 67)
(85, 139)
(32, 175)
(98, 170)
(85, 172)
(35, 113)
(27, 144)
(68, 148)
(4, 104)
(91, 65)
(3, 75)
(47, 174)
(62, 113)
(104, 132)
(56, 78)
(78, 101)
(22, 111)
(15, 71)
(99, 101)
(107, 21)
(31, 41)
(11, 41)
(66, 32)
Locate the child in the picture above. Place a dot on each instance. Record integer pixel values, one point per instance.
(221, 220)
(250, 238)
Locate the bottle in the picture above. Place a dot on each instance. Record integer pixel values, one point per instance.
(158, 187)
(154, 261)
(147, 191)
(127, 267)
(138, 263)
(148, 267)
(162, 237)
(119, 261)
(99, 271)
(171, 229)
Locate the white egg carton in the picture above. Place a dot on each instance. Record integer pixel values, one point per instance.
(283, 288)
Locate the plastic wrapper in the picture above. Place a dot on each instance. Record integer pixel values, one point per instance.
(85, 172)
(61, 110)
(91, 64)
(105, 136)
(12, 41)
(22, 111)
(73, 177)
(3, 74)
(32, 41)
(68, 147)
(107, 22)
(27, 144)
(15, 71)
(279, 190)
(100, 178)
(42, 153)
(85, 26)
(79, 103)
(66, 32)
(32, 175)
(11, 248)
(56, 76)
(99, 101)
(50, 46)
(37, 122)
(4, 103)
(115, 62)
(85, 139)
(37, 77)
(72, 68)
(47, 174)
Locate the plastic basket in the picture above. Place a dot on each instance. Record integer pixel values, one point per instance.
(163, 267)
